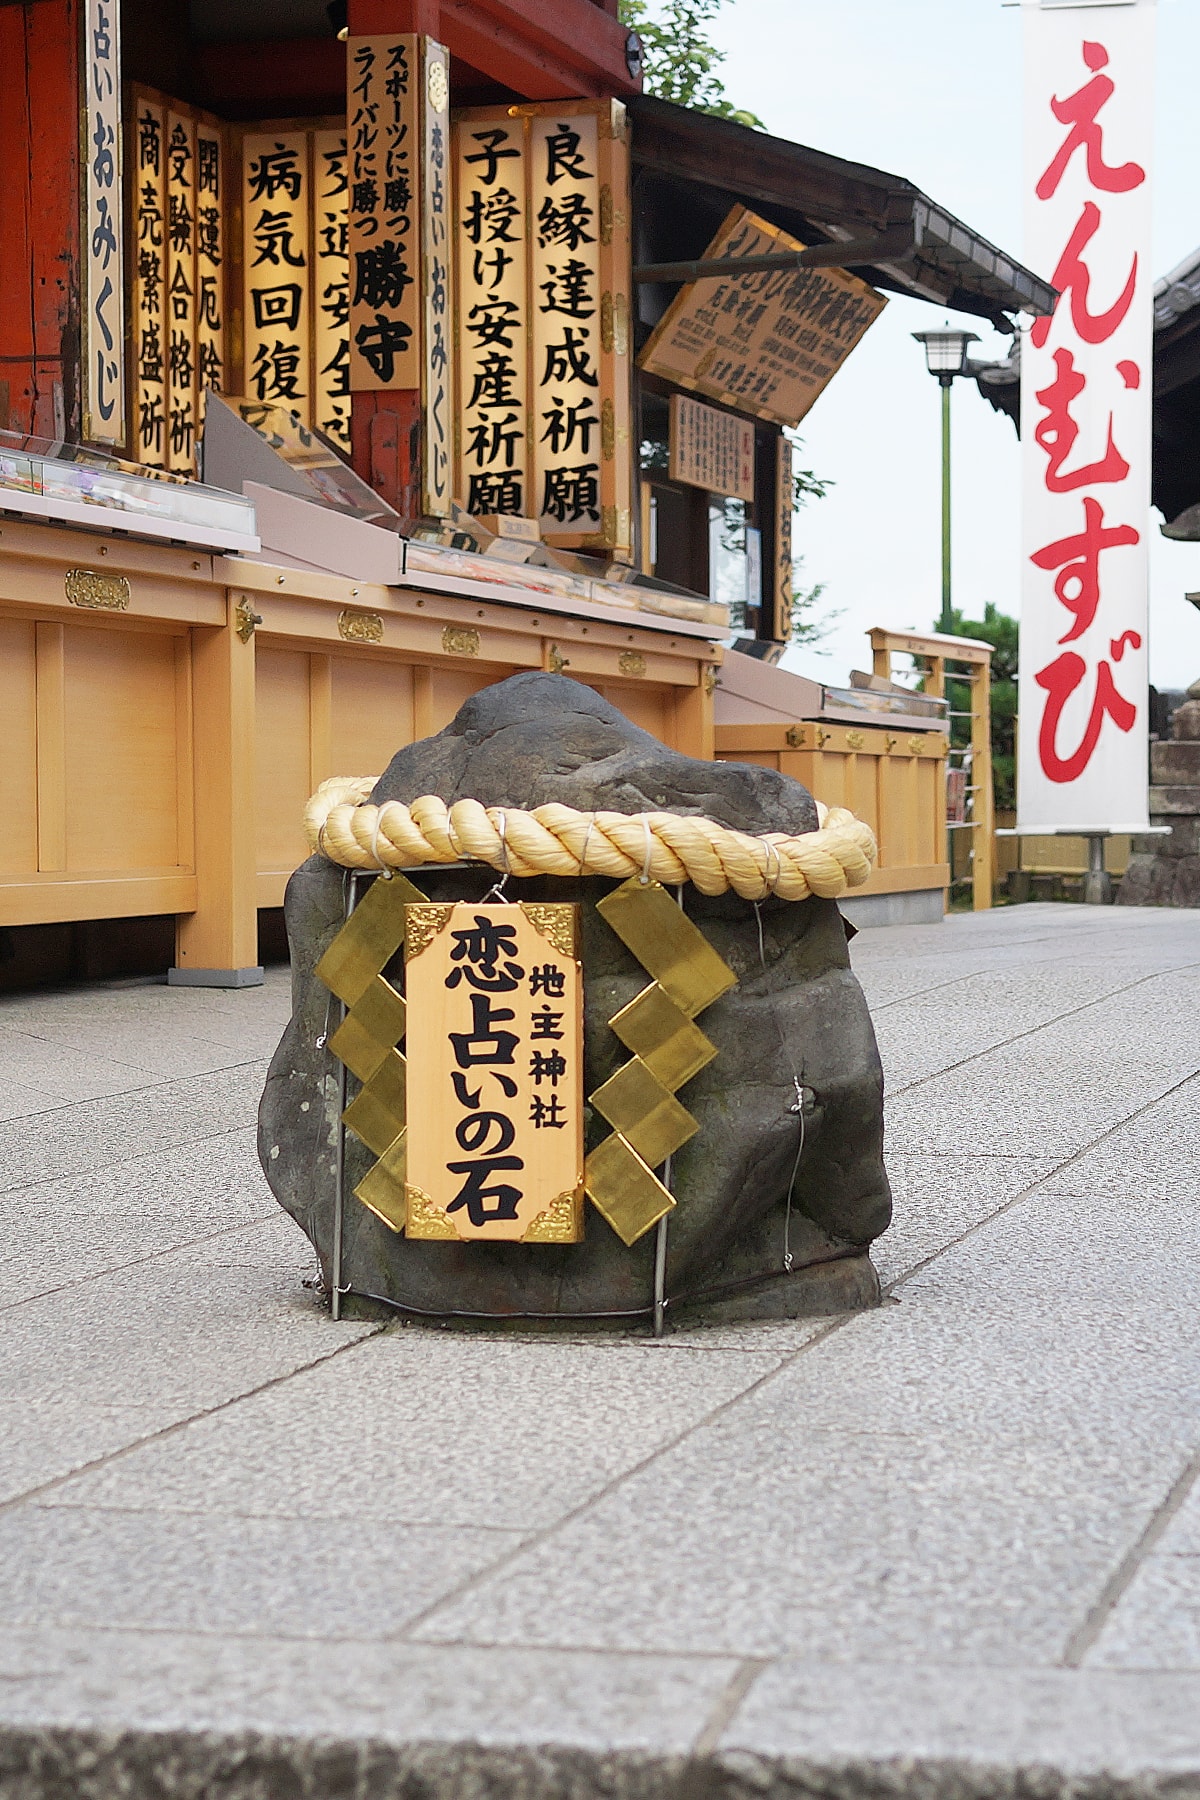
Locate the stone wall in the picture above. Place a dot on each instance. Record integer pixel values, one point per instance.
(1165, 871)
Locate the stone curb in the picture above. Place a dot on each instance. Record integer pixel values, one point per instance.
(59, 1763)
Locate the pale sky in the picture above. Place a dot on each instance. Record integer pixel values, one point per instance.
(930, 90)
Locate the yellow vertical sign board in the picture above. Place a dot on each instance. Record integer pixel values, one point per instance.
(568, 322)
(210, 261)
(175, 159)
(399, 203)
(276, 327)
(495, 455)
(382, 140)
(181, 292)
(331, 300)
(437, 281)
(785, 576)
(495, 1073)
(149, 268)
(550, 314)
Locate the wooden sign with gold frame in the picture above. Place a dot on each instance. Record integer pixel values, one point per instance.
(495, 1072)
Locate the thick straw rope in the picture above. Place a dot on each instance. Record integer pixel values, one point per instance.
(557, 840)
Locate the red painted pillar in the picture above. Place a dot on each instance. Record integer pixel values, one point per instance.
(385, 427)
(39, 219)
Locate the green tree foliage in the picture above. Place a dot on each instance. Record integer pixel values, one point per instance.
(679, 62)
(811, 623)
(997, 629)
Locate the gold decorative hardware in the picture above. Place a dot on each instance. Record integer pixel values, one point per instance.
(710, 679)
(606, 214)
(555, 921)
(823, 737)
(608, 322)
(608, 430)
(561, 1223)
(620, 324)
(362, 627)
(556, 661)
(797, 737)
(856, 740)
(891, 742)
(96, 593)
(915, 746)
(425, 1220)
(631, 662)
(436, 85)
(246, 619)
(460, 640)
(422, 925)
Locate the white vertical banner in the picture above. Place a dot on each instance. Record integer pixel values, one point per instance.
(1086, 388)
(103, 356)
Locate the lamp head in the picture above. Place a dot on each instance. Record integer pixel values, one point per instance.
(946, 351)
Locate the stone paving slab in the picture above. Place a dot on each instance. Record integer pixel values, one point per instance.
(948, 1548)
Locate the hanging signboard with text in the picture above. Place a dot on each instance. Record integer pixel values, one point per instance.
(767, 343)
(495, 1077)
(1086, 387)
(398, 132)
(711, 449)
(541, 230)
(103, 223)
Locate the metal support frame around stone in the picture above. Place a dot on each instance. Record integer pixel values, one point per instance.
(638, 1101)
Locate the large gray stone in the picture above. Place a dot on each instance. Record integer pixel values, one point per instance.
(1175, 763)
(541, 738)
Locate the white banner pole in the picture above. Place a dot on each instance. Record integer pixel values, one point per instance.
(1086, 390)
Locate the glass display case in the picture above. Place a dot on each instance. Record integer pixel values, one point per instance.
(72, 485)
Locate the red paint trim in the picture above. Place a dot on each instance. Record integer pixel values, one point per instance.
(39, 213)
(385, 437)
(555, 52)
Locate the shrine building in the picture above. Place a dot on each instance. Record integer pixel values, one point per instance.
(354, 357)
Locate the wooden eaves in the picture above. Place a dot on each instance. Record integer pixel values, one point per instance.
(893, 233)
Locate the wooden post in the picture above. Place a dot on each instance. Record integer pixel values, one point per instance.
(693, 724)
(51, 748)
(983, 837)
(217, 945)
(934, 652)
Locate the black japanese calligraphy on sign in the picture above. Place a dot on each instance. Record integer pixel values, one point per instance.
(384, 183)
(330, 299)
(492, 264)
(103, 363)
(210, 260)
(543, 270)
(277, 261)
(568, 339)
(769, 342)
(495, 1071)
(149, 268)
(179, 148)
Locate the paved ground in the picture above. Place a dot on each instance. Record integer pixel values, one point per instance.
(949, 1547)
